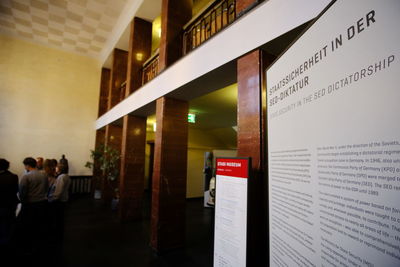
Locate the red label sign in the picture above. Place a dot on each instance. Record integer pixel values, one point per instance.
(233, 167)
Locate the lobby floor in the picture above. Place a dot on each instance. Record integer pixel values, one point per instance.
(94, 237)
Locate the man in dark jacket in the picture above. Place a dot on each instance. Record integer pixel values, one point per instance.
(8, 201)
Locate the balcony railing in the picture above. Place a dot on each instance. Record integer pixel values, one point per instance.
(150, 68)
(80, 185)
(202, 27)
(122, 90)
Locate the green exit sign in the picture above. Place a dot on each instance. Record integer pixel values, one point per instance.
(192, 118)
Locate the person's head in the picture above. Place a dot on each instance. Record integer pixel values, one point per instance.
(4, 165)
(39, 163)
(49, 167)
(61, 168)
(54, 162)
(29, 163)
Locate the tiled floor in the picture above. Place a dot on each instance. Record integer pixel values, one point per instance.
(94, 237)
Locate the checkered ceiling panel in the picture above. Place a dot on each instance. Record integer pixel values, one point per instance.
(82, 26)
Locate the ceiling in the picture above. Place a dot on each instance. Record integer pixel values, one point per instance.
(76, 25)
(87, 27)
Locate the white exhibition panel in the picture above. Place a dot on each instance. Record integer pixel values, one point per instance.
(334, 140)
(266, 22)
(230, 233)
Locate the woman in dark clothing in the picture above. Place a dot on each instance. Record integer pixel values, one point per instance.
(58, 196)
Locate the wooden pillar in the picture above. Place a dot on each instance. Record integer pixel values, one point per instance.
(118, 76)
(100, 134)
(113, 132)
(174, 15)
(131, 184)
(97, 173)
(250, 108)
(243, 5)
(169, 175)
(170, 160)
(139, 52)
(104, 91)
(251, 143)
(113, 135)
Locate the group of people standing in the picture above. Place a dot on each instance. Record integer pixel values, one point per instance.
(32, 207)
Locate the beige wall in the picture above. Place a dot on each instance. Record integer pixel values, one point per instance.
(200, 141)
(48, 104)
(195, 179)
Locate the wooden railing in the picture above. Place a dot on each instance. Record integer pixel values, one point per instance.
(150, 68)
(80, 185)
(208, 23)
(122, 91)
